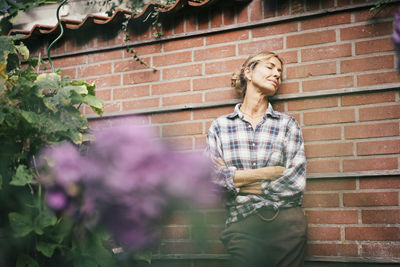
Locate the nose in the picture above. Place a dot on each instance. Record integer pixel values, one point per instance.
(277, 73)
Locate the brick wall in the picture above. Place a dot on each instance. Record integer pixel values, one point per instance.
(340, 83)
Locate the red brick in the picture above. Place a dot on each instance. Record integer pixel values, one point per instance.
(331, 3)
(106, 81)
(329, 150)
(325, 21)
(170, 117)
(105, 56)
(190, 22)
(223, 66)
(332, 216)
(365, 15)
(371, 130)
(131, 92)
(182, 99)
(312, 5)
(144, 50)
(380, 249)
(363, 31)
(255, 10)
(326, 117)
(182, 129)
(378, 147)
(368, 98)
(112, 107)
(215, 53)
(380, 183)
(221, 95)
(141, 77)
(283, 8)
(377, 78)
(94, 70)
(313, 103)
(289, 88)
(331, 184)
(229, 15)
(180, 143)
(263, 45)
(140, 104)
(373, 233)
(369, 63)
(310, 70)
(323, 166)
(328, 83)
(369, 164)
(288, 57)
(274, 29)
(71, 73)
(380, 113)
(175, 232)
(131, 64)
(172, 59)
(373, 46)
(170, 87)
(297, 7)
(325, 52)
(323, 233)
(104, 94)
(216, 18)
(202, 20)
(324, 133)
(183, 71)
(242, 15)
(305, 39)
(179, 218)
(212, 82)
(381, 216)
(226, 37)
(321, 200)
(183, 43)
(278, 106)
(346, 250)
(370, 199)
(69, 61)
(211, 113)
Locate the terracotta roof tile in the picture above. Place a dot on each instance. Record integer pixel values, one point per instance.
(119, 15)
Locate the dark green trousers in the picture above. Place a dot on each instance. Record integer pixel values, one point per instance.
(257, 242)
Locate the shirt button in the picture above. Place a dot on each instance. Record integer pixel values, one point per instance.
(253, 144)
(254, 164)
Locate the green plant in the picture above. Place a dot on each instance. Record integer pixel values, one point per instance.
(37, 110)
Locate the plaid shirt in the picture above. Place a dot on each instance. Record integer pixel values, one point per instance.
(276, 141)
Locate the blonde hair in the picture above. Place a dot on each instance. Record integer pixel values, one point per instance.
(238, 80)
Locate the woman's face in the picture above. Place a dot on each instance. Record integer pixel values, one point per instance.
(266, 76)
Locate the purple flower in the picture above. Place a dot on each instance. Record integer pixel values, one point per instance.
(57, 199)
(129, 181)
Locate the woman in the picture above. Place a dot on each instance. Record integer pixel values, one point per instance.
(259, 158)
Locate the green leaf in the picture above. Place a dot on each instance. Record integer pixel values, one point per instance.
(95, 103)
(143, 256)
(1, 181)
(46, 248)
(61, 230)
(22, 177)
(79, 89)
(22, 224)
(23, 50)
(24, 260)
(44, 219)
(49, 81)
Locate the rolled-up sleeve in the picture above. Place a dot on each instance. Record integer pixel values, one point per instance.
(222, 176)
(292, 183)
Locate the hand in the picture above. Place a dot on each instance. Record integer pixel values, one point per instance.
(253, 188)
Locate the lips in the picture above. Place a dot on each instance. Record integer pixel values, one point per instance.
(274, 82)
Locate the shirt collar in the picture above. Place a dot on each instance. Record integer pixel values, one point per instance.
(270, 111)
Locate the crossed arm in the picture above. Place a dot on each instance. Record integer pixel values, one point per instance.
(249, 181)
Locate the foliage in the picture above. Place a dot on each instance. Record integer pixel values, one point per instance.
(36, 110)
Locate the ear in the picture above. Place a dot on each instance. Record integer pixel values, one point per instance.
(247, 74)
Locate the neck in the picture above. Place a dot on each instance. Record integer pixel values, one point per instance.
(254, 103)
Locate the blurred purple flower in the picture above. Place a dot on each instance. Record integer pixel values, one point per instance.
(396, 38)
(57, 199)
(129, 182)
